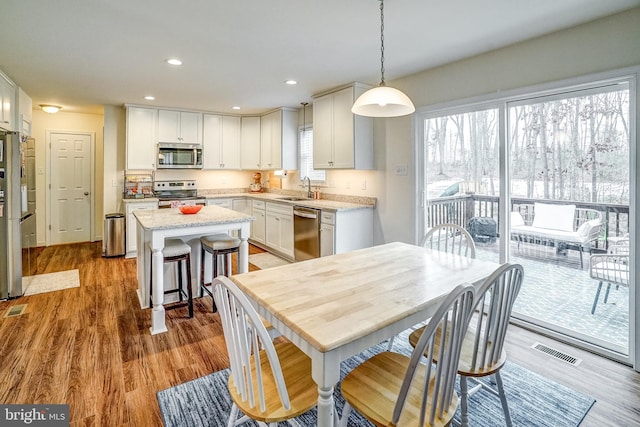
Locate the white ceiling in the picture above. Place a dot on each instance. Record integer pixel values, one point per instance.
(84, 54)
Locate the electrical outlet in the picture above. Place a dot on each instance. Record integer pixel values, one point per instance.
(114, 182)
(348, 184)
(364, 184)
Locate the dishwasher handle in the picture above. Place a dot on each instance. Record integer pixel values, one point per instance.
(306, 213)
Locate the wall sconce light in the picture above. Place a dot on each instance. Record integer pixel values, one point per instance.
(51, 109)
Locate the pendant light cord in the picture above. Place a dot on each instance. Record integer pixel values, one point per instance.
(382, 83)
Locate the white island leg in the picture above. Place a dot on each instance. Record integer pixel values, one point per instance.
(158, 324)
(243, 252)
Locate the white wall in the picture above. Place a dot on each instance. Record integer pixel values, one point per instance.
(69, 122)
(606, 44)
(602, 45)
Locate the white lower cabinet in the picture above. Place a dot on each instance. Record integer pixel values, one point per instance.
(345, 231)
(131, 224)
(223, 203)
(258, 226)
(327, 237)
(279, 227)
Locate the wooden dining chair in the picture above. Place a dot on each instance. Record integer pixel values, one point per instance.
(483, 351)
(269, 382)
(450, 238)
(392, 389)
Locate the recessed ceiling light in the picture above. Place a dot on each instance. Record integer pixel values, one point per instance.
(291, 82)
(51, 109)
(173, 61)
(150, 98)
(235, 107)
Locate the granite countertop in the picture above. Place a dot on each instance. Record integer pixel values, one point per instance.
(142, 200)
(344, 204)
(327, 204)
(158, 219)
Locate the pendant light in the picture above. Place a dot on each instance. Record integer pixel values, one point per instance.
(383, 101)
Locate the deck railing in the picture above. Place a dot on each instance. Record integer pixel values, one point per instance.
(459, 209)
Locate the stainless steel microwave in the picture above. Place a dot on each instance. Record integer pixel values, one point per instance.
(179, 156)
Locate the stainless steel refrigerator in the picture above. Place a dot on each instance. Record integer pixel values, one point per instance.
(17, 212)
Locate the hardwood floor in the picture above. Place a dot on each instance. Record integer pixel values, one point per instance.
(90, 347)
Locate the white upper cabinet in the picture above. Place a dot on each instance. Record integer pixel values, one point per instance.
(179, 127)
(221, 142)
(141, 138)
(278, 140)
(341, 139)
(250, 143)
(25, 112)
(7, 104)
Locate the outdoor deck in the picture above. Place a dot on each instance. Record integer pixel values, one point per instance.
(557, 291)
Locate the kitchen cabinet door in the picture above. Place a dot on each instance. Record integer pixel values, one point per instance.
(279, 140)
(230, 142)
(323, 132)
(7, 106)
(25, 109)
(341, 139)
(327, 240)
(279, 228)
(271, 147)
(141, 138)
(179, 127)
(132, 224)
(258, 227)
(250, 143)
(212, 141)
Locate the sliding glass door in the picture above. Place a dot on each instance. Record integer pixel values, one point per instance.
(544, 179)
(569, 188)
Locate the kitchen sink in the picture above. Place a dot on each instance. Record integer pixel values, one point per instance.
(291, 199)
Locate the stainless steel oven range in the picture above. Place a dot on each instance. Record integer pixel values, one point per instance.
(175, 193)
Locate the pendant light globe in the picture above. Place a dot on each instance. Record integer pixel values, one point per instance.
(383, 101)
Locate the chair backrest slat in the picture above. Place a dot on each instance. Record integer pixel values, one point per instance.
(494, 305)
(449, 326)
(246, 336)
(450, 238)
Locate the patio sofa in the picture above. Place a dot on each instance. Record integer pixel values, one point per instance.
(560, 226)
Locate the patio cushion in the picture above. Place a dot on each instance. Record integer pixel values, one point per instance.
(554, 217)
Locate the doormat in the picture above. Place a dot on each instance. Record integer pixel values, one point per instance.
(49, 282)
(16, 310)
(266, 260)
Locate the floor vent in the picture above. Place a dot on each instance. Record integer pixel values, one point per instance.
(16, 310)
(560, 355)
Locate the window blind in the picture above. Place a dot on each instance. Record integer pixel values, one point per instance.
(306, 157)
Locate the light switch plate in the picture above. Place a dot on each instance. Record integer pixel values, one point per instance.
(402, 170)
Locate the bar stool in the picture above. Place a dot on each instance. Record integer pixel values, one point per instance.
(175, 250)
(217, 245)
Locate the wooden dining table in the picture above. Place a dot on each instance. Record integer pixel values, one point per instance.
(337, 306)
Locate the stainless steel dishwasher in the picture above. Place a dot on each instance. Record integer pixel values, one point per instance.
(306, 233)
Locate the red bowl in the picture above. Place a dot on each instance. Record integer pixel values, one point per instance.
(190, 209)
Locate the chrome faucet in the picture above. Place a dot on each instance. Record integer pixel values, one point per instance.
(309, 193)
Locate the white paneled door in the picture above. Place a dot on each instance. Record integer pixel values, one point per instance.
(70, 181)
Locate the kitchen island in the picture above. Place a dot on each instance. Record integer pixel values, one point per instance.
(154, 226)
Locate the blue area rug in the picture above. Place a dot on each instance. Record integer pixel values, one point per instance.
(533, 400)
